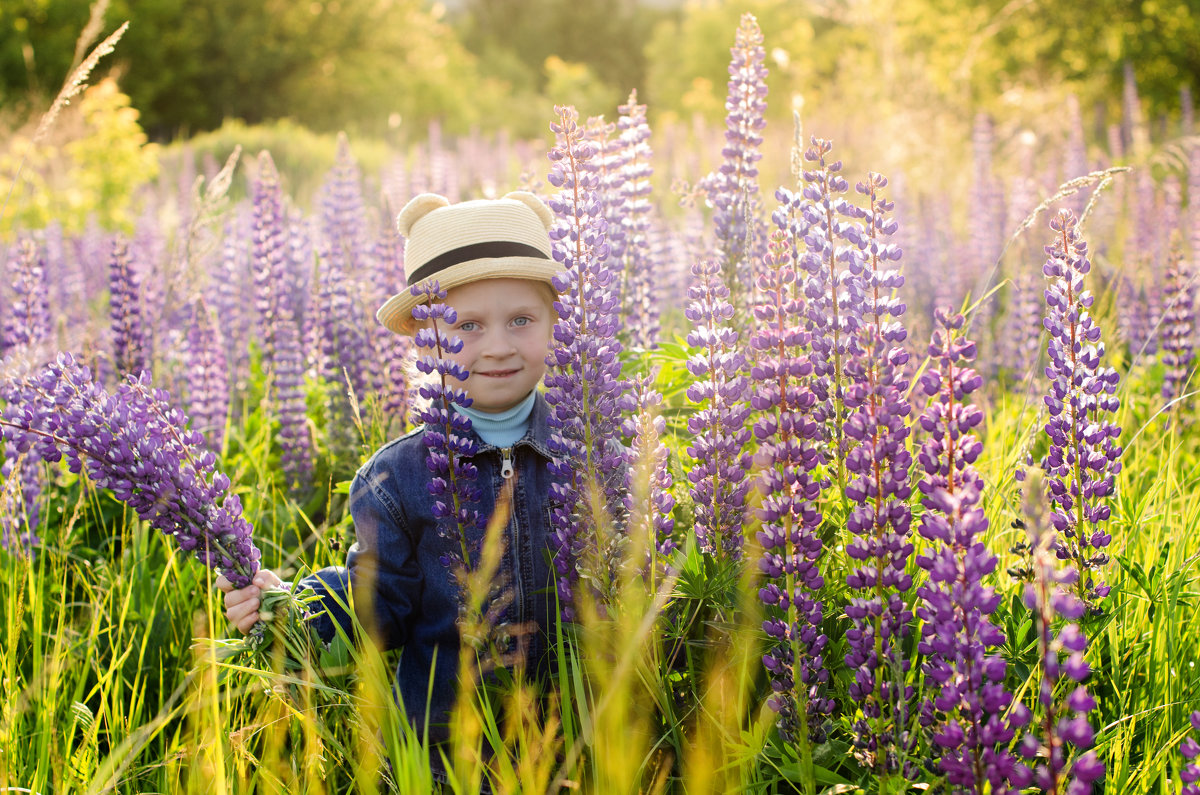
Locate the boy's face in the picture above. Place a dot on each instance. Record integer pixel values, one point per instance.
(505, 326)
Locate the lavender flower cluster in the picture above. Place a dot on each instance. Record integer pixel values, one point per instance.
(718, 426)
(959, 640)
(1190, 749)
(877, 464)
(134, 443)
(447, 432)
(1084, 457)
(583, 381)
(788, 455)
(1057, 726)
(733, 190)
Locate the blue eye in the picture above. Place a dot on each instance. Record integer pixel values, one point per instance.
(521, 321)
(467, 326)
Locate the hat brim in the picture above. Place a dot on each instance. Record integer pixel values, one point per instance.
(396, 313)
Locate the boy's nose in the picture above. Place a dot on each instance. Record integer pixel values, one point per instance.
(498, 344)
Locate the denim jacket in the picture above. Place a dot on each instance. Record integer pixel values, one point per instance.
(398, 547)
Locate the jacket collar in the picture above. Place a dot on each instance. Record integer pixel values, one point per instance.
(538, 435)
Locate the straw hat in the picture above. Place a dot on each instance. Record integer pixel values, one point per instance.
(454, 244)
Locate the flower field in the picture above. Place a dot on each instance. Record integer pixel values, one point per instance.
(855, 491)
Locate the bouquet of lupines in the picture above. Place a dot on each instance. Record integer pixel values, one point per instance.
(135, 444)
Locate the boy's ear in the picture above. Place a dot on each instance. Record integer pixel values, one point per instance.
(534, 203)
(416, 209)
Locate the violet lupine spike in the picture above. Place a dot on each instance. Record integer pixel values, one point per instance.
(877, 465)
(1084, 456)
(1189, 749)
(788, 454)
(269, 253)
(833, 292)
(395, 351)
(1178, 326)
(27, 322)
(1021, 341)
(344, 273)
(27, 317)
(719, 426)
(963, 669)
(584, 376)
(635, 257)
(733, 189)
(448, 434)
(125, 313)
(134, 443)
(20, 486)
(207, 376)
(649, 502)
(290, 406)
(1056, 727)
(342, 352)
(225, 297)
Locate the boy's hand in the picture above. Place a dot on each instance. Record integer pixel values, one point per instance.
(241, 605)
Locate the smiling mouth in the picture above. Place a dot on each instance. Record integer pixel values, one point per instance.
(498, 373)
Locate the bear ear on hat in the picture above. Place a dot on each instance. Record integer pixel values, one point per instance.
(534, 203)
(417, 208)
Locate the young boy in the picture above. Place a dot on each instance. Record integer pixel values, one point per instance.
(493, 259)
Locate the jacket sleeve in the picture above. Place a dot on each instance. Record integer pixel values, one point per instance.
(381, 568)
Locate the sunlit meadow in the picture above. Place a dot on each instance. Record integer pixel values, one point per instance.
(905, 497)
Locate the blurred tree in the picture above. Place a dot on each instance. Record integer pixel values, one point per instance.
(607, 36)
(188, 64)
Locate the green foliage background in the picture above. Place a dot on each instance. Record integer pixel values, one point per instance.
(373, 66)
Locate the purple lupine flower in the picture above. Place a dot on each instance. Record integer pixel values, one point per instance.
(985, 221)
(1134, 135)
(718, 427)
(1178, 326)
(1137, 313)
(448, 435)
(733, 188)
(134, 443)
(20, 486)
(207, 376)
(963, 667)
(649, 502)
(833, 292)
(634, 255)
(125, 312)
(1189, 749)
(877, 464)
(789, 451)
(1021, 341)
(27, 319)
(225, 297)
(289, 406)
(269, 253)
(1074, 157)
(342, 348)
(394, 350)
(584, 376)
(1084, 457)
(1057, 727)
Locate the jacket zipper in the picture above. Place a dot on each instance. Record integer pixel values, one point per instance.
(506, 472)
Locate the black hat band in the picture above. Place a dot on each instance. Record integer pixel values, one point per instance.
(488, 250)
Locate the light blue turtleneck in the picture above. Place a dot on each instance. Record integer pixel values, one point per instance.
(502, 428)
